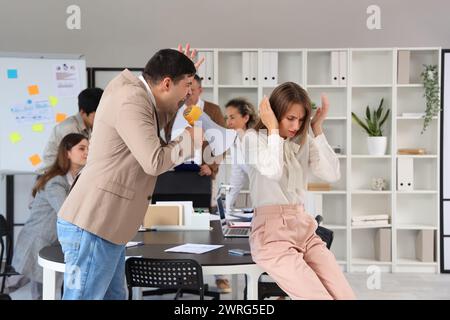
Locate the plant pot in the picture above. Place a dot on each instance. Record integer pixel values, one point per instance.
(377, 146)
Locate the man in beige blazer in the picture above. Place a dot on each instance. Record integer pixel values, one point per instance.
(108, 202)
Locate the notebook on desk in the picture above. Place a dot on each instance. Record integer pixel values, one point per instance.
(230, 232)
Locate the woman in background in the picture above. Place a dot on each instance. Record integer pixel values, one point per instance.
(240, 116)
(49, 193)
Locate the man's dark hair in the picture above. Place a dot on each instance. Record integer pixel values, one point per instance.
(88, 100)
(168, 63)
(198, 79)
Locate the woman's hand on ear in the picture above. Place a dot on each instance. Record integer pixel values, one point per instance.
(320, 116)
(191, 54)
(267, 116)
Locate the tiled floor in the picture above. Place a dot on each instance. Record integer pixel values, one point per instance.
(392, 286)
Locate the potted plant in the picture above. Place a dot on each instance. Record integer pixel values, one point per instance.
(376, 142)
(431, 85)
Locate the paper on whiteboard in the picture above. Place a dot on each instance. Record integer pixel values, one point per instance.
(67, 80)
(33, 112)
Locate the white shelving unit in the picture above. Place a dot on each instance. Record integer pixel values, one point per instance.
(369, 74)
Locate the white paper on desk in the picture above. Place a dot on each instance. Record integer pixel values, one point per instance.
(193, 248)
(128, 257)
(133, 244)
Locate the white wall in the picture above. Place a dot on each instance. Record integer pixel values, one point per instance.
(127, 33)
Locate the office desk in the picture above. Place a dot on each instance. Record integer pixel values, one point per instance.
(214, 262)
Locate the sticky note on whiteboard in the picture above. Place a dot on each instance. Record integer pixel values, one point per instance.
(33, 90)
(38, 127)
(60, 117)
(35, 159)
(12, 73)
(15, 137)
(53, 100)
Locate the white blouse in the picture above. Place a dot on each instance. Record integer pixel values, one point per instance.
(278, 169)
(239, 172)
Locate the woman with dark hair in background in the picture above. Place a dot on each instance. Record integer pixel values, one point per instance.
(49, 193)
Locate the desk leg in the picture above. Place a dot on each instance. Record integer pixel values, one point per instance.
(137, 293)
(49, 284)
(234, 286)
(252, 283)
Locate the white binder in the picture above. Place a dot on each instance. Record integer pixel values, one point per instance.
(266, 68)
(335, 68)
(209, 80)
(201, 72)
(405, 174)
(273, 68)
(246, 68)
(254, 68)
(342, 68)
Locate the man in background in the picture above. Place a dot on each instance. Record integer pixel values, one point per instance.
(82, 123)
(177, 125)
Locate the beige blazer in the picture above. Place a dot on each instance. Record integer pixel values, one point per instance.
(125, 157)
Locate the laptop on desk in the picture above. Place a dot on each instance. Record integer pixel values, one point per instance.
(228, 232)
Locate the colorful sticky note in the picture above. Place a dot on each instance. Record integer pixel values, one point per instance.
(38, 127)
(33, 90)
(35, 159)
(12, 73)
(53, 100)
(60, 117)
(15, 137)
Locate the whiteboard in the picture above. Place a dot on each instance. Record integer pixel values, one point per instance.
(36, 92)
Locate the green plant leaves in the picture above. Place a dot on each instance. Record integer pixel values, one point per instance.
(373, 122)
(430, 82)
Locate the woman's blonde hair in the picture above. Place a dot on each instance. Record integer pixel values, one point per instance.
(244, 108)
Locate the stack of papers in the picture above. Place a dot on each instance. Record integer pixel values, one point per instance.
(193, 248)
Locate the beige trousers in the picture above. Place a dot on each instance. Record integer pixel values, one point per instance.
(284, 244)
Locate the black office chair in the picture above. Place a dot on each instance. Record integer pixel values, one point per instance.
(271, 289)
(168, 275)
(6, 249)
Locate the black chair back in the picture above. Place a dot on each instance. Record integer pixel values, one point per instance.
(178, 274)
